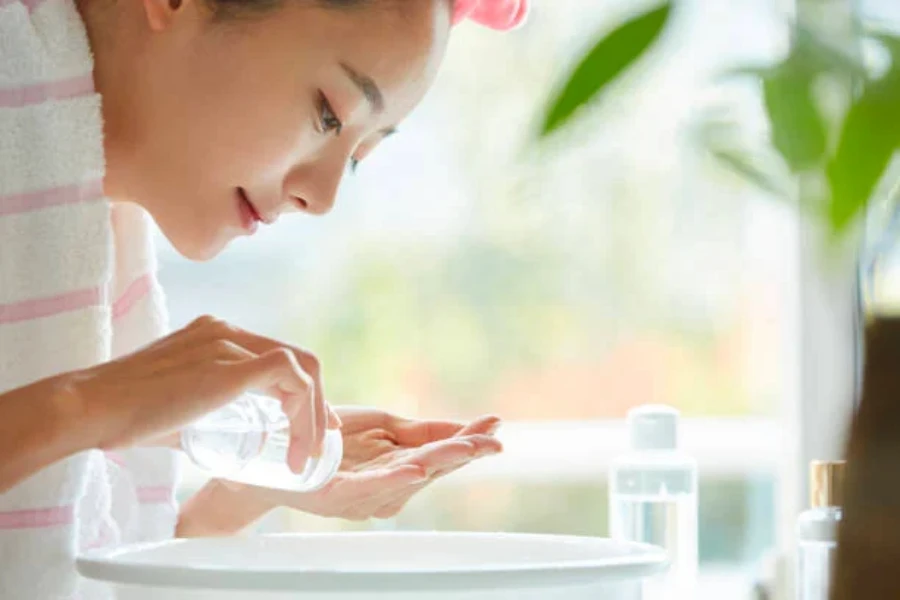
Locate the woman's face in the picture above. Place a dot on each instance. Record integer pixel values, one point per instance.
(215, 124)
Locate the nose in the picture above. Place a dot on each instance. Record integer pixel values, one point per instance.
(313, 187)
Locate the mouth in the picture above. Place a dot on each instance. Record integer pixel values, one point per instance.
(250, 217)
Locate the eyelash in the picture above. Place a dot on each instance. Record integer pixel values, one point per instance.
(328, 121)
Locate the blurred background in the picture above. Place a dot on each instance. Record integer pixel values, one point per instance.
(465, 271)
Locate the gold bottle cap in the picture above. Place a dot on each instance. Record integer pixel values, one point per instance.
(826, 483)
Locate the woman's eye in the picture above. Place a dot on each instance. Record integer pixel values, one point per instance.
(328, 121)
(354, 165)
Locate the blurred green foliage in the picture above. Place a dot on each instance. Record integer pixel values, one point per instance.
(850, 154)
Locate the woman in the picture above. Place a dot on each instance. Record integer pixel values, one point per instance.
(211, 117)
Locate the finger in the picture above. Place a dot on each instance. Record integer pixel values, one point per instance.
(307, 362)
(413, 432)
(484, 444)
(223, 351)
(444, 463)
(484, 452)
(487, 425)
(361, 419)
(279, 369)
(395, 504)
(334, 421)
(322, 411)
(438, 455)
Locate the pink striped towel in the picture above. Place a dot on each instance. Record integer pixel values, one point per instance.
(77, 287)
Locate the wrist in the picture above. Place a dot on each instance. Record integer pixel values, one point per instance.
(221, 509)
(69, 428)
(39, 431)
(80, 420)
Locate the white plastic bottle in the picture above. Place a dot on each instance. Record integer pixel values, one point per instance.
(817, 531)
(653, 497)
(247, 441)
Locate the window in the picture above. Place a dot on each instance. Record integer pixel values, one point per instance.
(463, 271)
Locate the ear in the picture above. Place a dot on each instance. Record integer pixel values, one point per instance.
(161, 13)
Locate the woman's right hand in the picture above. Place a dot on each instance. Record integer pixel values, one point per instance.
(172, 382)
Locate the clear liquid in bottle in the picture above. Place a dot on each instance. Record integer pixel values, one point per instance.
(653, 500)
(247, 441)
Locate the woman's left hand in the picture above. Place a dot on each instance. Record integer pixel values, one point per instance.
(387, 460)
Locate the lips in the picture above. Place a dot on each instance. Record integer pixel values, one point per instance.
(250, 217)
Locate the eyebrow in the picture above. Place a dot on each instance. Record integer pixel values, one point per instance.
(367, 86)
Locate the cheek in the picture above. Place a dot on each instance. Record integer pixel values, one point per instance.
(246, 132)
(229, 113)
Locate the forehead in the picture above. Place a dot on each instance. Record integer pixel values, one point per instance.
(397, 43)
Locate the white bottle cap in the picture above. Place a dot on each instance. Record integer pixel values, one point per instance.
(653, 427)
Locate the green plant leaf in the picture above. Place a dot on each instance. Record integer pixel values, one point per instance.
(755, 72)
(604, 63)
(744, 166)
(810, 55)
(869, 139)
(815, 55)
(798, 129)
(718, 135)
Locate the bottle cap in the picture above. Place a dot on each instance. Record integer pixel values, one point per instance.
(653, 427)
(826, 483)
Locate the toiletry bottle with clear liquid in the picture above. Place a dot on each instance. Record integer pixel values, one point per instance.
(247, 441)
(653, 498)
(817, 531)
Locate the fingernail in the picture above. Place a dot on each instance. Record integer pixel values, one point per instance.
(495, 427)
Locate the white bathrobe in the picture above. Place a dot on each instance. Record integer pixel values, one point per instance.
(77, 287)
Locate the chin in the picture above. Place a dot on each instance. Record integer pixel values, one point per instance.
(195, 247)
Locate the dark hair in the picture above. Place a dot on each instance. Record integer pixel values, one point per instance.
(242, 8)
(229, 8)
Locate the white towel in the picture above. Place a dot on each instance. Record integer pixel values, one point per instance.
(77, 287)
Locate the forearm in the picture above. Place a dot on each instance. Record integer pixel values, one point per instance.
(39, 425)
(217, 510)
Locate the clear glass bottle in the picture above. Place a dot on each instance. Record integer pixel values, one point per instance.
(653, 498)
(247, 441)
(817, 531)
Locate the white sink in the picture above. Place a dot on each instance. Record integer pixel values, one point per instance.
(357, 566)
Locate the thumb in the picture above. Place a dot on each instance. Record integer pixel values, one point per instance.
(278, 372)
(278, 369)
(334, 421)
